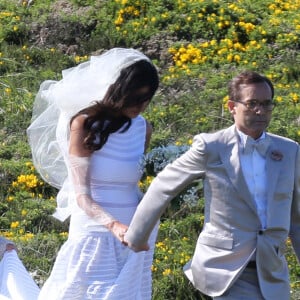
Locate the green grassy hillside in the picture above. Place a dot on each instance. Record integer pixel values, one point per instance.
(197, 45)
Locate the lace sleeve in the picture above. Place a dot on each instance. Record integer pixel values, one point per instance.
(79, 167)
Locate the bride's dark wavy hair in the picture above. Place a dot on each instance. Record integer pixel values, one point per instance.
(104, 117)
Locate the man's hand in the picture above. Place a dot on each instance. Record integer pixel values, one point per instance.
(144, 247)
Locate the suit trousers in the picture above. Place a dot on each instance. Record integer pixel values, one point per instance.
(246, 287)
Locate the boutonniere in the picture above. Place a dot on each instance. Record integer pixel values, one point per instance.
(276, 155)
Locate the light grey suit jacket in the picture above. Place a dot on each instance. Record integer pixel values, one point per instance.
(232, 230)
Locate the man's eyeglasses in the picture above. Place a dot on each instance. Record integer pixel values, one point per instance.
(254, 104)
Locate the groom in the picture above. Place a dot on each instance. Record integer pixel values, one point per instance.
(252, 200)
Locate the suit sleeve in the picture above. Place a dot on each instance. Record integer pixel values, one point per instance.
(295, 214)
(168, 183)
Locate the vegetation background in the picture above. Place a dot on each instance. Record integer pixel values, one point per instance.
(197, 45)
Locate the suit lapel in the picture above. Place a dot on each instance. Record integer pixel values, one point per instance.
(229, 153)
(272, 171)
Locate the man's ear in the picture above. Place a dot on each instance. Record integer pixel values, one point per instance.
(231, 106)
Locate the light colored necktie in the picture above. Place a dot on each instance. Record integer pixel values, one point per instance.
(261, 146)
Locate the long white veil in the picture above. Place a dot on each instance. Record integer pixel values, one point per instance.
(56, 103)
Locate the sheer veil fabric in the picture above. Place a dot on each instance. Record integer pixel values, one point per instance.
(54, 106)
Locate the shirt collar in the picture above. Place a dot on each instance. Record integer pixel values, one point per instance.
(243, 137)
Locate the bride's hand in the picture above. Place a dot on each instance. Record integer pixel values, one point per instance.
(10, 247)
(118, 230)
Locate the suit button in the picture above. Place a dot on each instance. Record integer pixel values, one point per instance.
(260, 232)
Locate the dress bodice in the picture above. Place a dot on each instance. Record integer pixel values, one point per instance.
(116, 167)
(114, 173)
(118, 163)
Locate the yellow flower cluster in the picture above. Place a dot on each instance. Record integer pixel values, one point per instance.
(223, 51)
(30, 166)
(79, 59)
(14, 225)
(279, 6)
(184, 258)
(25, 2)
(167, 272)
(129, 11)
(7, 90)
(234, 7)
(247, 26)
(64, 234)
(294, 97)
(143, 185)
(189, 54)
(27, 237)
(12, 16)
(10, 198)
(165, 253)
(27, 181)
(6, 14)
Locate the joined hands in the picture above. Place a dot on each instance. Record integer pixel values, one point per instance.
(119, 230)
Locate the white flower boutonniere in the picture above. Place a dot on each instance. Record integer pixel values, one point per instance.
(276, 155)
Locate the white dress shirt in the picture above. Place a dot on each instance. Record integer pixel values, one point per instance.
(254, 170)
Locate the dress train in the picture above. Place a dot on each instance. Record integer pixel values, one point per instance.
(15, 281)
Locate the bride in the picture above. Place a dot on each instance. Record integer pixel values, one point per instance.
(88, 138)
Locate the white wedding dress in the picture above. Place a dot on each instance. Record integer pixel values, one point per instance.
(93, 264)
(15, 282)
